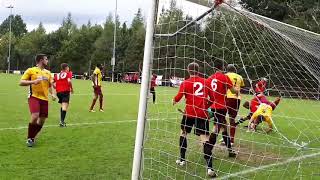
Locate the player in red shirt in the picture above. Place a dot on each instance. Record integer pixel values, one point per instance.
(254, 104)
(195, 114)
(258, 98)
(261, 86)
(218, 84)
(152, 87)
(63, 86)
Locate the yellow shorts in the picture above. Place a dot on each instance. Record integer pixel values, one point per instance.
(264, 110)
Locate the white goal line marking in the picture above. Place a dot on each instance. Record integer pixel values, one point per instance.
(72, 124)
(270, 165)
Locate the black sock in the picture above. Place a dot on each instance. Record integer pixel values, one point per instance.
(226, 139)
(213, 138)
(154, 97)
(63, 115)
(183, 147)
(207, 151)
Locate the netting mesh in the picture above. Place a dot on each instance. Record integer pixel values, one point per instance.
(260, 48)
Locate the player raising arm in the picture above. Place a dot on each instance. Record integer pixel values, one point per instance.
(195, 114)
(96, 83)
(39, 79)
(63, 85)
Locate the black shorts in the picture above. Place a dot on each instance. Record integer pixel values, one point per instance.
(64, 97)
(249, 115)
(219, 116)
(152, 90)
(201, 126)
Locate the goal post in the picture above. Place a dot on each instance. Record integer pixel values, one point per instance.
(146, 70)
(180, 32)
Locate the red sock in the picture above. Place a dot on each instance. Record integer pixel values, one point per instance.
(32, 131)
(233, 127)
(38, 129)
(101, 102)
(232, 133)
(93, 103)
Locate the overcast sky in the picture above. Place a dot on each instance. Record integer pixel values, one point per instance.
(52, 12)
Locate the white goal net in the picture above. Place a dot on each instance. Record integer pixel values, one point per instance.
(288, 57)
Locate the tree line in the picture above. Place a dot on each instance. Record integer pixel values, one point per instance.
(84, 46)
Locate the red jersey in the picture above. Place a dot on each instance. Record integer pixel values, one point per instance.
(62, 81)
(257, 100)
(153, 81)
(218, 84)
(261, 86)
(196, 94)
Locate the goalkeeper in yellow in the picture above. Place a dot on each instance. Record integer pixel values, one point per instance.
(263, 113)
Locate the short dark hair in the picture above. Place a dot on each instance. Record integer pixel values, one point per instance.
(193, 68)
(231, 68)
(64, 66)
(219, 64)
(99, 65)
(39, 57)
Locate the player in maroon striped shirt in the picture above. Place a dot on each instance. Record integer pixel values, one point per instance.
(63, 86)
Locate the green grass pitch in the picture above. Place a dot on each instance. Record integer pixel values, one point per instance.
(100, 145)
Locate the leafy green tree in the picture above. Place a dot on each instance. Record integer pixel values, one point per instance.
(28, 46)
(18, 27)
(134, 51)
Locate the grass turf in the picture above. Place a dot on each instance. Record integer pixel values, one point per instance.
(104, 150)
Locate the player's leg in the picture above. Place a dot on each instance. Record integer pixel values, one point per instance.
(34, 107)
(43, 115)
(64, 109)
(203, 129)
(64, 99)
(254, 117)
(268, 120)
(221, 116)
(100, 99)
(95, 98)
(255, 122)
(216, 128)
(233, 107)
(186, 127)
(153, 92)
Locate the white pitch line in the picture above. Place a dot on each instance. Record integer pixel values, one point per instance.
(270, 165)
(74, 124)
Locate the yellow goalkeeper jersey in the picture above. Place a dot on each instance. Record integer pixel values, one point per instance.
(237, 82)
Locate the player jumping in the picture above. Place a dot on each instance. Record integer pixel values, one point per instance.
(63, 87)
(96, 83)
(39, 79)
(195, 115)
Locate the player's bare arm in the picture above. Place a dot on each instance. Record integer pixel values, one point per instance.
(234, 91)
(95, 80)
(51, 91)
(71, 87)
(29, 82)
